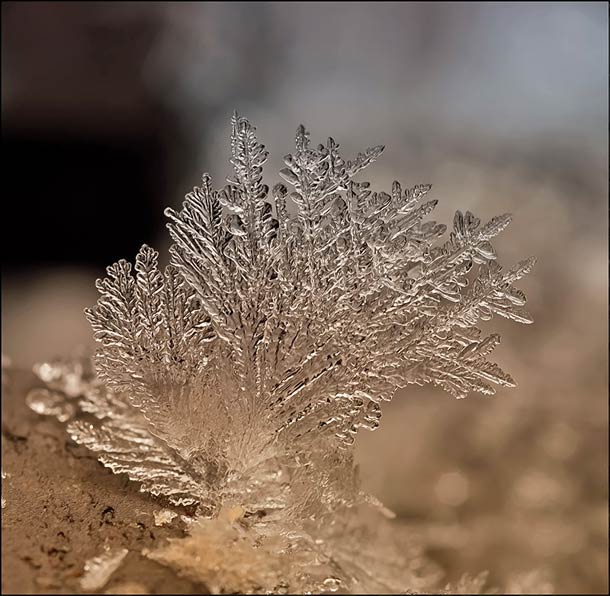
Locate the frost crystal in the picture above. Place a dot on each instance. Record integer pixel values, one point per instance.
(98, 570)
(165, 516)
(237, 377)
(4, 476)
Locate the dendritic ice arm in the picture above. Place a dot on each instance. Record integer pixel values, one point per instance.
(119, 434)
(122, 440)
(154, 344)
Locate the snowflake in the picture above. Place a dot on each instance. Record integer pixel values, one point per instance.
(237, 378)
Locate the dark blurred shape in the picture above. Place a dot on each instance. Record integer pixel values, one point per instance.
(84, 138)
(97, 105)
(67, 191)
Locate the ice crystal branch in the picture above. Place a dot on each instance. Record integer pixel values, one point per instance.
(283, 322)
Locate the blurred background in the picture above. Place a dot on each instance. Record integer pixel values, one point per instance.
(112, 111)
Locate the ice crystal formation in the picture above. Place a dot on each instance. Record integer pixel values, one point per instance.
(98, 570)
(236, 378)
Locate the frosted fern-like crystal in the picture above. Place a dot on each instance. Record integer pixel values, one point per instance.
(285, 319)
(239, 375)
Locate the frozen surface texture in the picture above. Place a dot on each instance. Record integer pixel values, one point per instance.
(236, 379)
